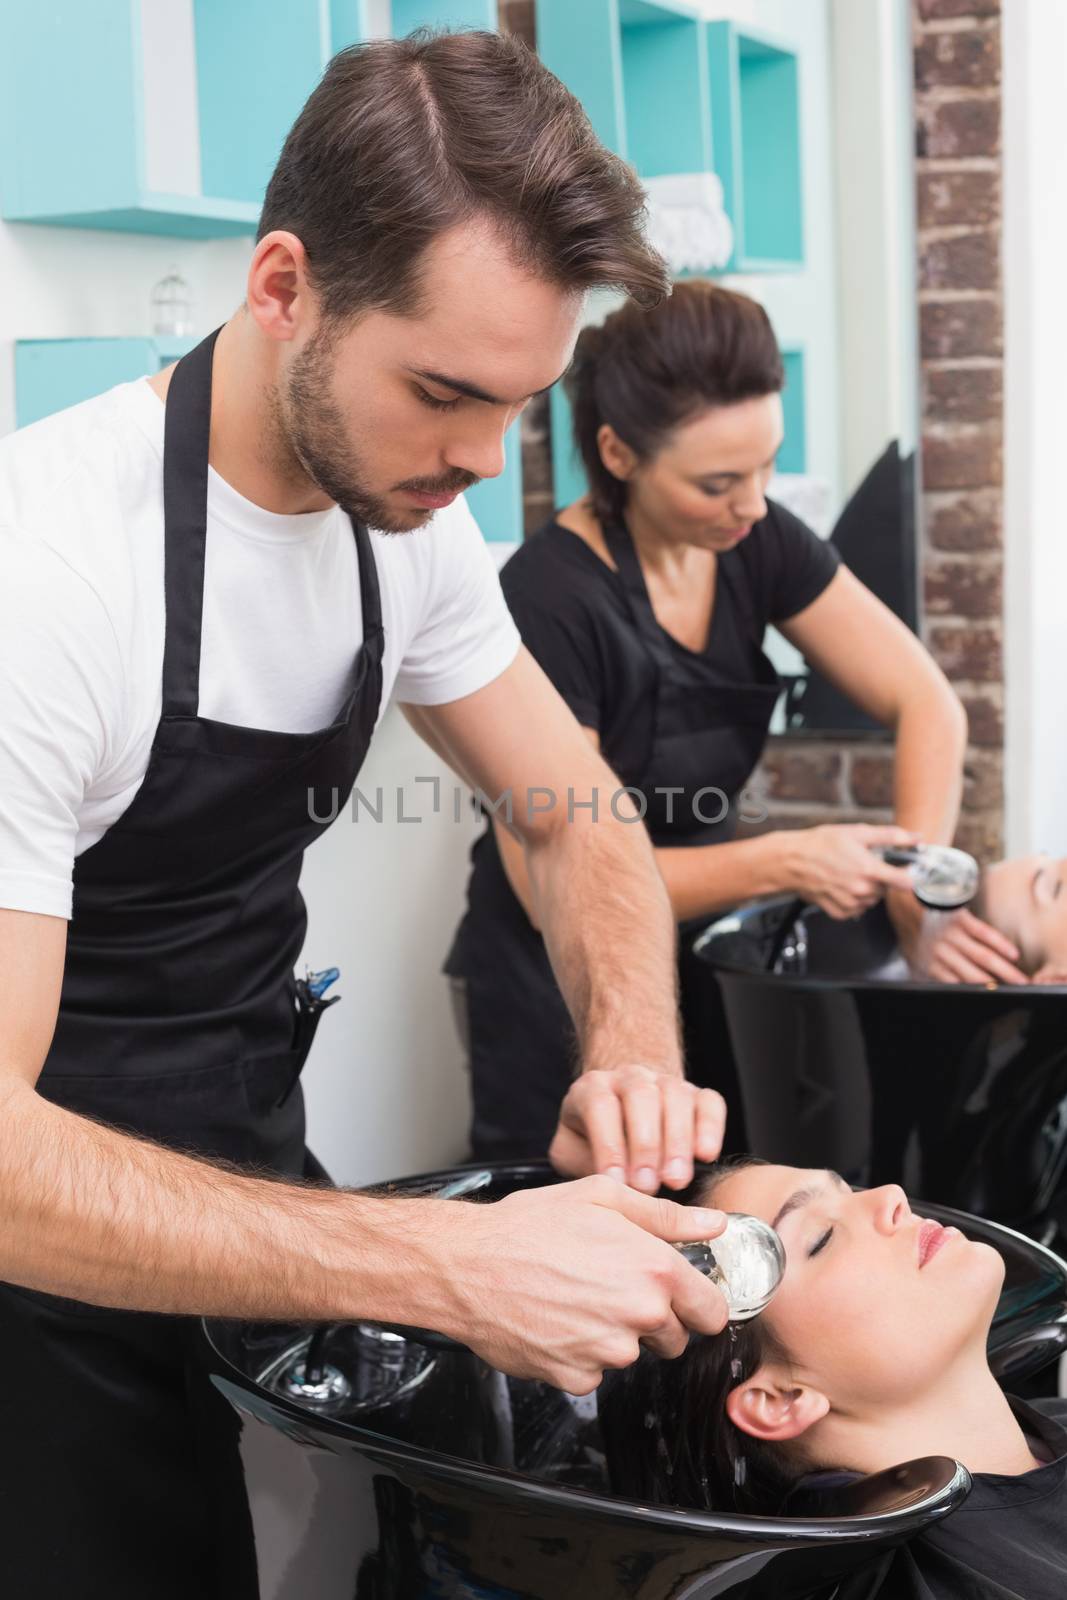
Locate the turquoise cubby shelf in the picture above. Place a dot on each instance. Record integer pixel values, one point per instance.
(79, 135)
(793, 456)
(755, 111)
(640, 71)
(108, 108)
(569, 481)
(51, 374)
(674, 94)
(75, 120)
(497, 502)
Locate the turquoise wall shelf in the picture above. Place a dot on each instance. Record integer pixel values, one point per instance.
(569, 480)
(674, 94)
(73, 152)
(51, 374)
(755, 110)
(74, 111)
(74, 138)
(639, 70)
(793, 456)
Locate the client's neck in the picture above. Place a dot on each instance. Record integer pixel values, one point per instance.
(968, 1418)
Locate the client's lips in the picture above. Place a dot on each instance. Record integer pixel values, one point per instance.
(931, 1237)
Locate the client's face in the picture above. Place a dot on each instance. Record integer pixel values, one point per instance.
(876, 1304)
(1025, 899)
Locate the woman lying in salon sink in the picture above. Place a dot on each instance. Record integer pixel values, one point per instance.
(1014, 930)
(872, 1353)
(1025, 897)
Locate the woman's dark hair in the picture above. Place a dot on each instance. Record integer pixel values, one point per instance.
(405, 138)
(646, 372)
(667, 1436)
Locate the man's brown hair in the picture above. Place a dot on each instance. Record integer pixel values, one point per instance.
(404, 139)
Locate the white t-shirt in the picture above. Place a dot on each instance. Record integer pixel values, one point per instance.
(82, 625)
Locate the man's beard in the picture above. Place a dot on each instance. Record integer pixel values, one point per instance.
(310, 429)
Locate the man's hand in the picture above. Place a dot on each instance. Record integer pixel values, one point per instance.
(563, 1282)
(962, 948)
(637, 1126)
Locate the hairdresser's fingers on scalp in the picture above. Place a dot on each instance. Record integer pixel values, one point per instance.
(988, 934)
(571, 1153)
(994, 966)
(668, 1341)
(960, 969)
(592, 1109)
(985, 961)
(664, 1218)
(679, 1132)
(642, 1111)
(710, 1124)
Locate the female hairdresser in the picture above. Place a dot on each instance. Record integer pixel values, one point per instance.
(646, 605)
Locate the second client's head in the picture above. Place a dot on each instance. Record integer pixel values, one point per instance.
(1026, 898)
(879, 1324)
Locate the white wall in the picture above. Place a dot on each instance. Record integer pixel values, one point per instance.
(386, 1090)
(1035, 248)
(874, 182)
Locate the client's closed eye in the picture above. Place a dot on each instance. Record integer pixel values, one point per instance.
(821, 1243)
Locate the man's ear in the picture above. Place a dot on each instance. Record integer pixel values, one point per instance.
(774, 1411)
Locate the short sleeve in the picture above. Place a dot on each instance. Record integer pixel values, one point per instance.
(800, 565)
(464, 636)
(562, 640)
(60, 688)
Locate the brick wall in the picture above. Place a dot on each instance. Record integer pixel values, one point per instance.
(957, 116)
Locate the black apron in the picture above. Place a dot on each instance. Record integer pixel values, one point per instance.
(708, 733)
(179, 1019)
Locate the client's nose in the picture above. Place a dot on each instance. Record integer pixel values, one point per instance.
(889, 1207)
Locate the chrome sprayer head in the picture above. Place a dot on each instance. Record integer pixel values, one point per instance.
(943, 878)
(746, 1261)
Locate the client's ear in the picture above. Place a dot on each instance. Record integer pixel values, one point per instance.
(774, 1411)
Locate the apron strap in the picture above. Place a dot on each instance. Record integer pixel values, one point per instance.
(186, 440)
(370, 595)
(186, 436)
(618, 539)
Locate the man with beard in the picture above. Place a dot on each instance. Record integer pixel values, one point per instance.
(197, 635)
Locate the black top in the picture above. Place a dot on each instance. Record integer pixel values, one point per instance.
(571, 610)
(1008, 1541)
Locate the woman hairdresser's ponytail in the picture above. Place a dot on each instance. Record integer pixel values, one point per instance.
(645, 372)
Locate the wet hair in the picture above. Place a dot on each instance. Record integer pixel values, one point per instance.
(404, 139)
(667, 1435)
(646, 373)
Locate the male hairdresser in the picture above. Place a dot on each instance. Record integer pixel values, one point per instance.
(197, 636)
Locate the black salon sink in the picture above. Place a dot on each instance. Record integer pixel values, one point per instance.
(435, 1476)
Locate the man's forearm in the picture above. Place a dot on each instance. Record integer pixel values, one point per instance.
(93, 1214)
(610, 933)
